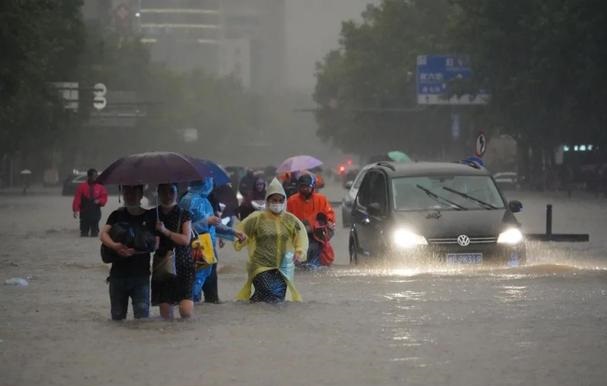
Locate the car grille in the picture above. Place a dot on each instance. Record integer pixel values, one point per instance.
(453, 240)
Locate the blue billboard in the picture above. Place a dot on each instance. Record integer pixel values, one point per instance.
(434, 73)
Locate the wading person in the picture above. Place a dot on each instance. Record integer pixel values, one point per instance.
(275, 239)
(174, 227)
(197, 202)
(315, 212)
(258, 193)
(130, 272)
(88, 200)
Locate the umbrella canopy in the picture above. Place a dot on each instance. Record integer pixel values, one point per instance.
(219, 174)
(398, 156)
(153, 168)
(297, 163)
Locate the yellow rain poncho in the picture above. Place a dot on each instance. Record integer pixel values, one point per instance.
(269, 238)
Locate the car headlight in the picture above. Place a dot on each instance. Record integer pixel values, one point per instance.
(511, 236)
(404, 238)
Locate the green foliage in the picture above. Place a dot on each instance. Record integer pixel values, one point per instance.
(543, 61)
(366, 88)
(40, 41)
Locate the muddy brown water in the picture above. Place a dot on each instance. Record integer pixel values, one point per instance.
(395, 324)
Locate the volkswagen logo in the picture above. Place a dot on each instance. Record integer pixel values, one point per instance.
(463, 240)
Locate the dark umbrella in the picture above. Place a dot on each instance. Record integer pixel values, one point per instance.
(219, 174)
(154, 168)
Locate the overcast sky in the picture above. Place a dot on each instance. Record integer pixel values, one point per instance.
(312, 28)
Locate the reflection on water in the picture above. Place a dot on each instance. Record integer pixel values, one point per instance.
(512, 294)
(406, 295)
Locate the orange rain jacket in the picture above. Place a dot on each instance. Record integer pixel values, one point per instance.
(306, 210)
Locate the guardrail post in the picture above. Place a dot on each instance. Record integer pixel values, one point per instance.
(548, 220)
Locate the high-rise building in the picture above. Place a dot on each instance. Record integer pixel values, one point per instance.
(241, 38)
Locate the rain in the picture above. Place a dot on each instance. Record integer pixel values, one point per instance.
(448, 157)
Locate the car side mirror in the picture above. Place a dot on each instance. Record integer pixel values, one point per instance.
(375, 209)
(349, 184)
(515, 206)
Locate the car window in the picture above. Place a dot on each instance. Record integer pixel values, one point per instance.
(364, 193)
(378, 191)
(359, 179)
(445, 192)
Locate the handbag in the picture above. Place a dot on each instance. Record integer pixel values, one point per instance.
(203, 252)
(164, 263)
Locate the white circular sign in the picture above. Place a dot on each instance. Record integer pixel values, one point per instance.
(481, 145)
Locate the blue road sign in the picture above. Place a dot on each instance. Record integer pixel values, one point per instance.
(434, 72)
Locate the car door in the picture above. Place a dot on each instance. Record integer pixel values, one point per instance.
(377, 212)
(368, 213)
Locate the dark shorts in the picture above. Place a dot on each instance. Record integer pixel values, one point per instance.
(135, 288)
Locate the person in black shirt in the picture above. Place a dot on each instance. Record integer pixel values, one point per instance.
(130, 272)
(174, 226)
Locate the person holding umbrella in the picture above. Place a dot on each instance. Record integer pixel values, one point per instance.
(89, 198)
(174, 226)
(130, 272)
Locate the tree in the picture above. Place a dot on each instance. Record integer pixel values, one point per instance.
(40, 42)
(365, 89)
(539, 59)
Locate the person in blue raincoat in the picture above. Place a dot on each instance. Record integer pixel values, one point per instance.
(196, 200)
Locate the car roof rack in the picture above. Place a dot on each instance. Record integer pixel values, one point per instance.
(386, 164)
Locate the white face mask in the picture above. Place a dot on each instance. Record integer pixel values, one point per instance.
(277, 207)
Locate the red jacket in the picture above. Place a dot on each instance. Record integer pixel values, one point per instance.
(306, 210)
(84, 191)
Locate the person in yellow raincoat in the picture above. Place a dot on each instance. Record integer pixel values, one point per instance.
(276, 240)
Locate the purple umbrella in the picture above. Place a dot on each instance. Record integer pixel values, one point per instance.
(153, 168)
(297, 163)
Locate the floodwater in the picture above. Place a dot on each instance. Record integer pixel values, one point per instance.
(543, 324)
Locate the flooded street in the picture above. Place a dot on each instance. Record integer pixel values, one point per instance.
(543, 324)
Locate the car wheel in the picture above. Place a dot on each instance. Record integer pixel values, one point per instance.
(353, 251)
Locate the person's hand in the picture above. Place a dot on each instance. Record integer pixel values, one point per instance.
(297, 257)
(221, 243)
(124, 251)
(240, 236)
(161, 228)
(75, 214)
(214, 220)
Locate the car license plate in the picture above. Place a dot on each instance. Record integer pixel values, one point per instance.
(464, 258)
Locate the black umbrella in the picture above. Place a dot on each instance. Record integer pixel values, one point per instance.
(154, 168)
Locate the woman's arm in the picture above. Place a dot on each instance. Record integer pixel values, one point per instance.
(300, 241)
(182, 238)
(247, 229)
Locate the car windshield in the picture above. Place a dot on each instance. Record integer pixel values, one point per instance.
(445, 193)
